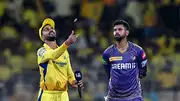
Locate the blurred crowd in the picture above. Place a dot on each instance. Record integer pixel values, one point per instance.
(154, 26)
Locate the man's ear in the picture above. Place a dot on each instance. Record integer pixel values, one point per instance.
(127, 32)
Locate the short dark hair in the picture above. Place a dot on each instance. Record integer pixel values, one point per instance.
(121, 22)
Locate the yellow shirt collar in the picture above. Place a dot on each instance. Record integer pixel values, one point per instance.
(47, 47)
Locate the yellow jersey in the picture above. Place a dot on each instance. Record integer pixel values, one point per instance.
(55, 68)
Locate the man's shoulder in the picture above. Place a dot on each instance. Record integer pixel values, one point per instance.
(136, 46)
(109, 49)
(41, 50)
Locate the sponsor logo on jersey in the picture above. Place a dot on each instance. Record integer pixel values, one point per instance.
(116, 58)
(123, 66)
(61, 64)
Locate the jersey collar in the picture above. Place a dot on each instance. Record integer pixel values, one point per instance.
(47, 47)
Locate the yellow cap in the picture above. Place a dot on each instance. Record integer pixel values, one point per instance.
(47, 21)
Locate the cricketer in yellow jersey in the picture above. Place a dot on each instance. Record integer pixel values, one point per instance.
(54, 65)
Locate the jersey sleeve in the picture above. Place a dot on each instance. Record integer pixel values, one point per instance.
(70, 72)
(106, 63)
(142, 63)
(45, 55)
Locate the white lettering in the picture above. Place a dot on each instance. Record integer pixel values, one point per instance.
(128, 65)
(124, 66)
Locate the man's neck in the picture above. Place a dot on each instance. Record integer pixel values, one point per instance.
(122, 45)
(51, 44)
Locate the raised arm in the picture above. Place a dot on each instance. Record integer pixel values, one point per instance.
(45, 55)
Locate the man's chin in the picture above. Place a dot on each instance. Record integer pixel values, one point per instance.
(118, 38)
(51, 38)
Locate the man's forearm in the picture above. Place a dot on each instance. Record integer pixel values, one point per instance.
(59, 51)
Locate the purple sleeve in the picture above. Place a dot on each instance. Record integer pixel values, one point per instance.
(106, 63)
(142, 64)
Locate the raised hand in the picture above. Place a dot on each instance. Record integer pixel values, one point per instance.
(71, 39)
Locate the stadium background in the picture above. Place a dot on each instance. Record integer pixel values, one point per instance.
(154, 26)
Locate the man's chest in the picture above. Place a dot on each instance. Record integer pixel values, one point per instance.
(123, 61)
(127, 57)
(61, 62)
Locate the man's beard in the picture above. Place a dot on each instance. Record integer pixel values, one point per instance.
(119, 38)
(51, 38)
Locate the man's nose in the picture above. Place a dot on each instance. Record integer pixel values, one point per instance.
(51, 30)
